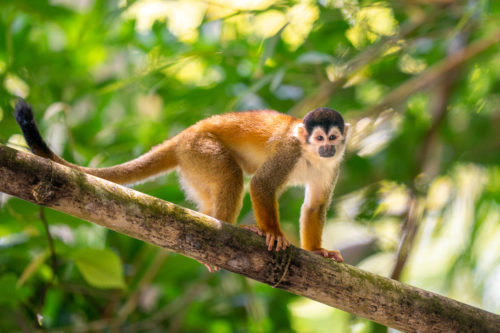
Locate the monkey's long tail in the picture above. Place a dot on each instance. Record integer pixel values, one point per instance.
(159, 159)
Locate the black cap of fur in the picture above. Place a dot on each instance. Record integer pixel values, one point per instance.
(325, 118)
(25, 119)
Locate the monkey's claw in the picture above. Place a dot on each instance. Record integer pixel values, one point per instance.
(253, 228)
(281, 242)
(211, 268)
(333, 254)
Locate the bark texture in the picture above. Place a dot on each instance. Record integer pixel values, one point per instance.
(192, 234)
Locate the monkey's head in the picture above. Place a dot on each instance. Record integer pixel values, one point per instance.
(323, 131)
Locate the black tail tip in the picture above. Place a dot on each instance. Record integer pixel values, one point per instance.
(23, 112)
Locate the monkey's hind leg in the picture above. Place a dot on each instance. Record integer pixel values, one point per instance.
(212, 179)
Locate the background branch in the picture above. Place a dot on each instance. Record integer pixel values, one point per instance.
(433, 75)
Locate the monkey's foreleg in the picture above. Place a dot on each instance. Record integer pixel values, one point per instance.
(313, 214)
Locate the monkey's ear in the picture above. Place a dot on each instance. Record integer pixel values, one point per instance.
(347, 131)
(302, 133)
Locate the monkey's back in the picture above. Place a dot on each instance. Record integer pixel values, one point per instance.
(248, 135)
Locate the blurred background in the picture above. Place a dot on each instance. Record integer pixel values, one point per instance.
(419, 194)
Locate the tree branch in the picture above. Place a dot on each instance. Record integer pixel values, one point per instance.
(195, 235)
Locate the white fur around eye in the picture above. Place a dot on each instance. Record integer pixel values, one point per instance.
(336, 133)
(316, 133)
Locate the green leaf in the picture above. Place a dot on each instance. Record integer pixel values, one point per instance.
(100, 268)
(10, 294)
(51, 308)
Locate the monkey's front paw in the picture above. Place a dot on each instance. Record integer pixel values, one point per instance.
(281, 242)
(333, 254)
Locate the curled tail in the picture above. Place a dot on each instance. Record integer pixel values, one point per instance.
(159, 159)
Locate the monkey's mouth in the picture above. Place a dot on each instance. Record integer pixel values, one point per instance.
(326, 151)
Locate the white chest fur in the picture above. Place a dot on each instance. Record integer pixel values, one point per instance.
(312, 169)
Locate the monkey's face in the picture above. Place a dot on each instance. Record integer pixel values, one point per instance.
(323, 131)
(325, 141)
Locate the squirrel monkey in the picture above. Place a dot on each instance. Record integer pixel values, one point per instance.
(212, 155)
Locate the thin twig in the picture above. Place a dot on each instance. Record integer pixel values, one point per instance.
(50, 240)
(172, 309)
(409, 231)
(147, 278)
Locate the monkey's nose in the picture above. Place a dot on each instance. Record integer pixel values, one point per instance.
(326, 151)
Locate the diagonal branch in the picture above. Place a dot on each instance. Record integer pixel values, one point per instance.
(434, 74)
(195, 235)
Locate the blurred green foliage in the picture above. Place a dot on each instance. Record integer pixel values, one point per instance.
(110, 79)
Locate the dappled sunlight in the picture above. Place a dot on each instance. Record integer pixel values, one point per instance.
(411, 65)
(387, 230)
(18, 142)
(350, 205)
(370, 23)
(244, 4)
(80, 5)
(370, 137)
(369, 92)
(235, 26)
(491, 294)
(311, 316)
(380, 263)
(341, 232)
(194, 71)
(394, 199)
(57, 40)
(444, 242)
(114, 66)
(479, 82)
(439, 193)
(183, 17)
(149, 105)
(444, 236)
(486, 250)
(268, 24)
(16, 86)
(487, 243)
(64, 233)
(301, 18)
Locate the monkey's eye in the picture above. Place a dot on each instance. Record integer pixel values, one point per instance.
(319, 138)
(332, 137)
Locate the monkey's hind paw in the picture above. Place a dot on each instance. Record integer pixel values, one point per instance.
(281, 242)
(333, 254)
(253, 228)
